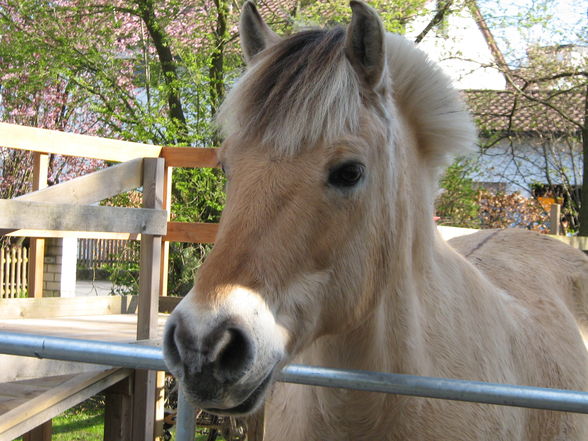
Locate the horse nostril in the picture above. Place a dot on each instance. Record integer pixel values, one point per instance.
(170, 348)
(235, 356)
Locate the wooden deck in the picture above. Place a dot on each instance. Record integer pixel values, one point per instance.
(108, 327)
(27, 404)
(33, 391)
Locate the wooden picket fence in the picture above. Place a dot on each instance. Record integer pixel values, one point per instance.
(96, 252)
(14, 262)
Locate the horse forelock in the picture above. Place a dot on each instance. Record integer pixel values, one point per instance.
(296, 93)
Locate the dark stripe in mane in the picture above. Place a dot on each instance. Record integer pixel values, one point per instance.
(293, 90)
(291, 66)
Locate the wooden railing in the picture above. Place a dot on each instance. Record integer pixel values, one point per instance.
(13, 272)
(69, 210)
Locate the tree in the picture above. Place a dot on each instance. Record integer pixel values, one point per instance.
(545, 103)
(141, 70)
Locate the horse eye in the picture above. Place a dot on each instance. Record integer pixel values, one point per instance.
(346, 175)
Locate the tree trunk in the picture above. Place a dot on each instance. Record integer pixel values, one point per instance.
(168, 67)
(216, 70)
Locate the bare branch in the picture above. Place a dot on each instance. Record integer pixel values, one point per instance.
(438, 18)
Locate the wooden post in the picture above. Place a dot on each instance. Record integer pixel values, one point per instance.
(37, 246)
(35, 274)
(147, 408)
(167, 187)
(554, 219)
(40, 433)
(118, 412)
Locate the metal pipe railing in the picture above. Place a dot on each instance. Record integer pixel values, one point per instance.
(148, 357)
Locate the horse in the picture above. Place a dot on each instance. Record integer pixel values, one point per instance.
(327, 254)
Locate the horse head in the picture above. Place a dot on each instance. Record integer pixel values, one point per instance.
(305, 242)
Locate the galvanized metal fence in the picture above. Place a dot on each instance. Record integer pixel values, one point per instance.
(14, 264)
(149, 357)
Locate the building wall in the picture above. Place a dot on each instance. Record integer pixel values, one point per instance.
(519, 164)
(59, 276)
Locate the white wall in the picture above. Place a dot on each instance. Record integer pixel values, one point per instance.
(524, 163)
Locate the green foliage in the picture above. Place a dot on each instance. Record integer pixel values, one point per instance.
(150, 71)
(84, 422)
(457, 204)
(197, 195)
(183, 262)
(395, 14)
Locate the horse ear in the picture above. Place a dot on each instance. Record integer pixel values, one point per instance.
(365, 42)
(255, 34)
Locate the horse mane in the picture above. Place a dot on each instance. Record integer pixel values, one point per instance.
(304, 89)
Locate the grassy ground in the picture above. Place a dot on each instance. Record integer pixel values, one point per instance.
(85, 422)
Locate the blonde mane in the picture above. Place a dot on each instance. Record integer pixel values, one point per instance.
(304, 90)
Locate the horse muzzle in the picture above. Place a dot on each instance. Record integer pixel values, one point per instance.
(223, 358)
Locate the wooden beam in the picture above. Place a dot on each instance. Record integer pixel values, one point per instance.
(93, 187)
(194, 157)
(50, 307)
(56, 400)
(118, 411)
(146, 408)
(40, 433)
(87, 189)
(153, 194)
(17, 214)
(52, 141)
(77, 234)
(191, 232)
(166, 205)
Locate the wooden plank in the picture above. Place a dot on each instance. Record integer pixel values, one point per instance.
(88, 189)
(17, 214)
(63, 392)
(50, 307)
(71, 144)
(194, 157)
(93, 187)
(77, 234)
(56, 400)
(37, 246)
(196, 232)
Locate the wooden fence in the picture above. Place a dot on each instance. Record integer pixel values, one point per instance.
(69, 209)
(93, 253)
(14, 263)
